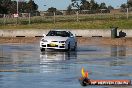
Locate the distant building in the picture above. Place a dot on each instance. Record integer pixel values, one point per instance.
(104, 11)
(115, 11)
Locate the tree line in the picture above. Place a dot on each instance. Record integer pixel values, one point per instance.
(10, 6)
(91, 6)
(126, 5)
(80, 5)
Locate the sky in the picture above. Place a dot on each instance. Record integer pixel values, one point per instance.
(63, 4)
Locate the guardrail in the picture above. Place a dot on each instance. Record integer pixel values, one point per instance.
(78, 32)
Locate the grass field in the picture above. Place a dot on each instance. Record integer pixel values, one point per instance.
(92, 21)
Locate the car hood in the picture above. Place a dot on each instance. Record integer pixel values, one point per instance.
(55, 38)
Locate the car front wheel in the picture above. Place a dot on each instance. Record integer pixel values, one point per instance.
(75, 47)
(68, 47)
(42, 49)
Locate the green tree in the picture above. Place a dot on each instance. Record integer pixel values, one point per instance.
(95, 6)
(12, 8)
(92, 3)
(103, 6)
(85, 5)
(75, 3)
(32, 6)
(130, 3)
(89, 5)
(83, 1)
(9, 6)
(4, 6)
(23, 7)
(123, 6)
(52, 9)
(110, 7)
(69, 9)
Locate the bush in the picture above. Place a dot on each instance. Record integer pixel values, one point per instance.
(24, 22)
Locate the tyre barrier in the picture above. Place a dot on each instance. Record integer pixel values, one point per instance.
(97, 36)
(20, 36)
(38, 36)
(43, 36)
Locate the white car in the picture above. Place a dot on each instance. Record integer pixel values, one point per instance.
(58, 39)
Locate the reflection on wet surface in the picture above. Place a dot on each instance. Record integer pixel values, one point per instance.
(24, 66)
(118, 50)
(57, 56)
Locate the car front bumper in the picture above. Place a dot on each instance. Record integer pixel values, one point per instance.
(52, 45)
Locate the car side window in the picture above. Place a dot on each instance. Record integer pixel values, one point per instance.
(67, 34)
(70, 34)
(60, 33)
(51, 33)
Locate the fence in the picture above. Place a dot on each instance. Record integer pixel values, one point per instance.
(28, 19)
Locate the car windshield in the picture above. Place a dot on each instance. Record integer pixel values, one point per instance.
(58, 33)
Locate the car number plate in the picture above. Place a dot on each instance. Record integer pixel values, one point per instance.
(52, 44)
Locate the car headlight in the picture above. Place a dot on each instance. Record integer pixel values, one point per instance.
(44, 40)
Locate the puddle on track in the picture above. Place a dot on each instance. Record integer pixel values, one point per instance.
(24, 66)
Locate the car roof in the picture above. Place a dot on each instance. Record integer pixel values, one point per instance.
(59, 30)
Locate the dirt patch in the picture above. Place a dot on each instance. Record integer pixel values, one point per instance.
(19, 39)
(105, 41)
(81, 40)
